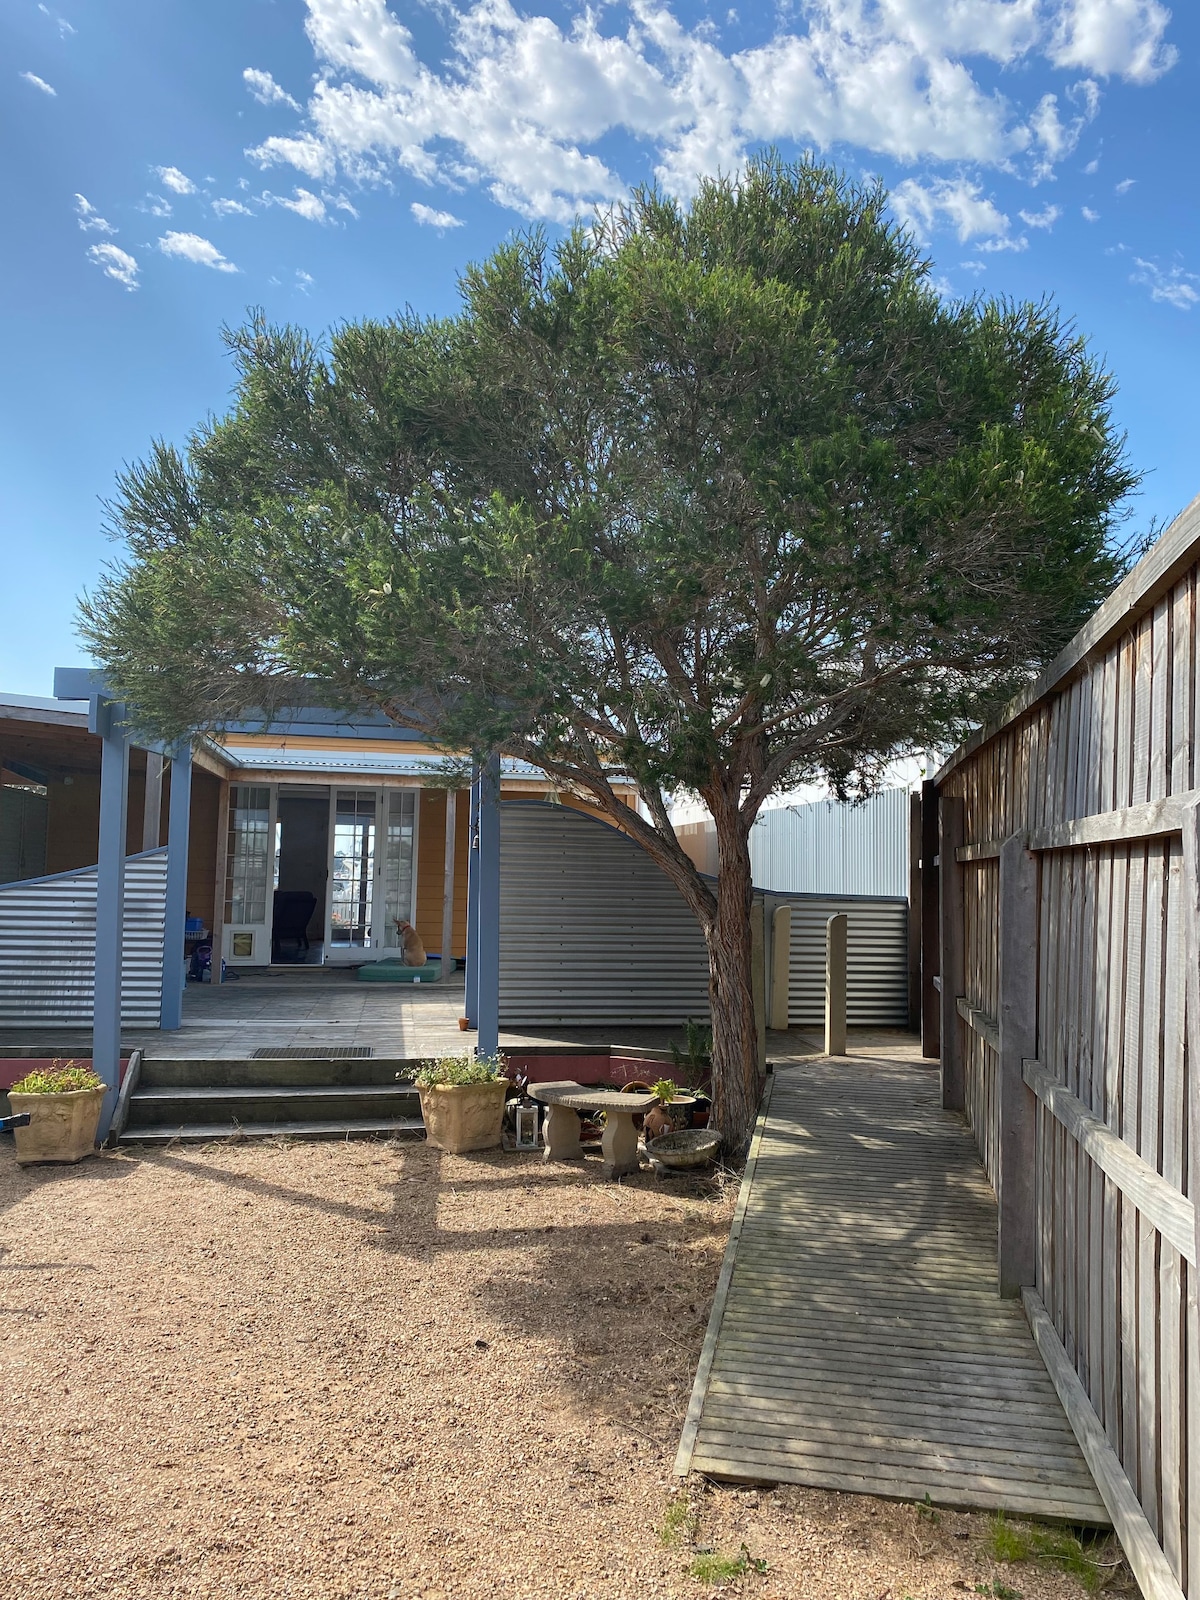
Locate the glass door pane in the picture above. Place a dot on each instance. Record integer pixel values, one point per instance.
(249, 857)
(398, 857)
(352, 876)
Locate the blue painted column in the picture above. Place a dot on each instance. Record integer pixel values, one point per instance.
(178, 827)
(488, 1039)
(107, 718)
(472, 999)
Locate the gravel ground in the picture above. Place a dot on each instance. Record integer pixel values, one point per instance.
(371, 1371)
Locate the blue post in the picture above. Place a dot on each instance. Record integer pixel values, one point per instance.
(472, 980)
(178, 825)
(488, 1039)
(107, 718)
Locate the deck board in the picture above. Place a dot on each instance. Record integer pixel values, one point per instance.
(857, 1341)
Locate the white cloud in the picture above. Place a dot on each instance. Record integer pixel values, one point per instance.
(176, 181)
(304, 280)
(1113, 37)
(230, 208)
(518, 103)
(156, 205)
(90, 219)
(191, 247)
(1045, 218)
(429, 218)
(65, 30)
(39, 83)
(1089, 215)
(116, 264)
(1170, 285)
(1125, 185)
(956, 203)
(304, 203)
(266, 91)
(1092, 166)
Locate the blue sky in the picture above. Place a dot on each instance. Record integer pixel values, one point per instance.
(170, 164)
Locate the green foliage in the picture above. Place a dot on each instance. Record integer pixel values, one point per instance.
(666, 1089)
(695, 1058)
(679, 1523)
(714, 1567)
(718, 497)
(62, 1077)
(456, 1072)
(1015, 1542)
(999, 1590)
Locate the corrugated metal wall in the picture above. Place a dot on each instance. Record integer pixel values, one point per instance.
(828, 848)
(592, 932)
(876, 960)
(48, 946)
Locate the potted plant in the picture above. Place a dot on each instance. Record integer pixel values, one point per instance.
(63, 1102)
(462, 1101)
(675, 1105)
(694, 1062)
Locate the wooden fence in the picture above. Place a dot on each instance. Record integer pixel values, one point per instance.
(1067, 1017)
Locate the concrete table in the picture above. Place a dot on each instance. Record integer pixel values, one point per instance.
(618, 1143)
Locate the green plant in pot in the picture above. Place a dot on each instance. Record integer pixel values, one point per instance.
(674, 1104)
(63, 1102)
(462, 1101)
(693, 1062)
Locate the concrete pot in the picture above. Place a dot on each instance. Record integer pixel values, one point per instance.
(62, 1126)
(462, 1117)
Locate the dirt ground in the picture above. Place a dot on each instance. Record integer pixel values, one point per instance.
(370, 1371)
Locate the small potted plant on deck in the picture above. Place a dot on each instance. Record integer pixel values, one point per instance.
(462, 1101)
(63, 1101)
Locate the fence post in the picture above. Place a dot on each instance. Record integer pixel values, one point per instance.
(950, 876)
(781, 966)
(914, 912)
(835, 985)
(1191, 934)
(1018, 1041)
(930, 1005)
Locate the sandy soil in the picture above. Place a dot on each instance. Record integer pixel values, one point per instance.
(373, 1372)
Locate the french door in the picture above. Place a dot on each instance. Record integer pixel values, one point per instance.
(372, 879)
(249, 864)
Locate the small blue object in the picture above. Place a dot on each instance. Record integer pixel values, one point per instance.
(193, 925)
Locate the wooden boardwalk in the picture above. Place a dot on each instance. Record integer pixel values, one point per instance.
(857, 1341)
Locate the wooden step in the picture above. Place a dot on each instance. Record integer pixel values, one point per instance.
(207, 1132)
(277, 1103)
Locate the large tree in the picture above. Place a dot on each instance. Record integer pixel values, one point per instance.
(717, 497)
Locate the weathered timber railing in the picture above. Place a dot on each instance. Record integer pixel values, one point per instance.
(1067, 904)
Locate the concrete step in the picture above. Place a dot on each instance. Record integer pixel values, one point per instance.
(164, 1073)
(271, 1103)
(339, 1128)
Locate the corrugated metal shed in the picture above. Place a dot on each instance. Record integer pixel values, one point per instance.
(48, 946)
(591, 932)
(826, 847)
(876, 960)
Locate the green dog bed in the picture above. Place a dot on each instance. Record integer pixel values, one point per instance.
(397, 972)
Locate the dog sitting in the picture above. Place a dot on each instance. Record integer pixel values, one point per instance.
(410, 944)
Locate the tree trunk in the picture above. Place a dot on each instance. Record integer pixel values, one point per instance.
(737, 1079)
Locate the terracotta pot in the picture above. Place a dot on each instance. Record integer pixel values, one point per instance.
(62, 1126)
(657, 1123)
(462, 1117)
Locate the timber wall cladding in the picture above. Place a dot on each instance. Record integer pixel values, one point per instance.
(1111, 737)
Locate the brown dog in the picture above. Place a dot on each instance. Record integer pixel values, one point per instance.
(410, 943)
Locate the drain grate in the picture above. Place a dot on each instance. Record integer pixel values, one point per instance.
(312, 1052)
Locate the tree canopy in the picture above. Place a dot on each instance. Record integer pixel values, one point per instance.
(718, 496)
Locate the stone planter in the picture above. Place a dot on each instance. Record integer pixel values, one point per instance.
(464, 1117)
(62, 1126)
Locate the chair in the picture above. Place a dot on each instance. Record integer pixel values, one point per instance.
(292, 914)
